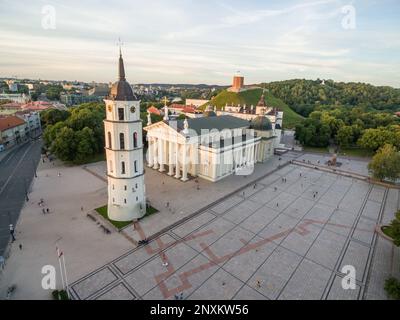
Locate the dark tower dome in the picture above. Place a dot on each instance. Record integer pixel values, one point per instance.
(121, 90)
(261, 123)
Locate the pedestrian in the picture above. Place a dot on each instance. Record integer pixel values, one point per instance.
(255, 186)
(258, 284)
(2, 262)
(47, 210)
(59, 174)
(20, 246)
(168, 204)
(44, 211)
(243, 193)
(181, 297)
(12, 231)
(277, 204)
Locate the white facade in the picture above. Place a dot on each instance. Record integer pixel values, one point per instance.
(124, 153)
(196, 102)
(15, 97)
(180, 154)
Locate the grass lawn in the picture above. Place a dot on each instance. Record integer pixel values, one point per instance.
(251, 97)
(122, 224)
(388, 231)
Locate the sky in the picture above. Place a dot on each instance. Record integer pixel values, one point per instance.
(191, 41)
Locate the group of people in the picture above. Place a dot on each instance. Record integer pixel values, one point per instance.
(41, 204)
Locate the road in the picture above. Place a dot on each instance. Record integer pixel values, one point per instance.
(17, 169)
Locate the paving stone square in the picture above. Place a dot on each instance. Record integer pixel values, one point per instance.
(247, 247)
(307, 283)
(119, 292)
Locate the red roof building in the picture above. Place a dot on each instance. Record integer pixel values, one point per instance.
(154, 110)
(10, 122)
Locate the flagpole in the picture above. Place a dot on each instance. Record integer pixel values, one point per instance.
(66, 279)
(61, 273)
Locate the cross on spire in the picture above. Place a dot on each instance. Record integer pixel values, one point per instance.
(120, 44)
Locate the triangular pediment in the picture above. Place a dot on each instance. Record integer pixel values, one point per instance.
(163, 130)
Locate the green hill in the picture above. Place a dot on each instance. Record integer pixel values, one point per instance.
(251, 97)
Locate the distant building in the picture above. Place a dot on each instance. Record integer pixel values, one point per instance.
(37, 105)
(99, 91)
(196, 102)
(74, 98)
(249, 113)
(15, 97)
(238, 84)
(13, 130)
(154, 110)
(32, 120)
(13, 87)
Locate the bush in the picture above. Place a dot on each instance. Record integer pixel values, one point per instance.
(60, 295)
(392, 287)
(55, 295)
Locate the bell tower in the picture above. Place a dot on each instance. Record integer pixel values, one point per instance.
(124, 151)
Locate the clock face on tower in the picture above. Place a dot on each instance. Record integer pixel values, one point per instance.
(133, 109)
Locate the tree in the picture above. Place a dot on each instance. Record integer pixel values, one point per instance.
(386, 163)
(64, 146)
(52, 116)
(80, 136)
(344, 136)
(376, 138)
(86, 144)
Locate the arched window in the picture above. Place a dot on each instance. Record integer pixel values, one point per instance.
(121, 141)
(123, 167)
(135, 140)
(109, 140)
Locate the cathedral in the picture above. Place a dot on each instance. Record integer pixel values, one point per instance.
(211, 147)
(124, 152)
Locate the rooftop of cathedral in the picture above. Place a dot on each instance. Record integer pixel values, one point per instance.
(209, 123)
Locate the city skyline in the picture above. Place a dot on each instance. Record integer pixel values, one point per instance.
(186, 42)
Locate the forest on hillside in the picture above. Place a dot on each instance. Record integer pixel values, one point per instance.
(306, 96)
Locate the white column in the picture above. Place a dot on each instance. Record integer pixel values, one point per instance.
(155, 153)
(184, 163)
(161, 155)
(150, 151)
(170, 158)
(177, 173)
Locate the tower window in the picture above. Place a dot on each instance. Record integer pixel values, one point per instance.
(109, 140)
(113, 187)
(121, 114)
(137, 199)
(135, 144)
(113, 199)
(122, 141)
(135, 165)
(124, 200)
(123, 167)
(125, 188)
(111, 166)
